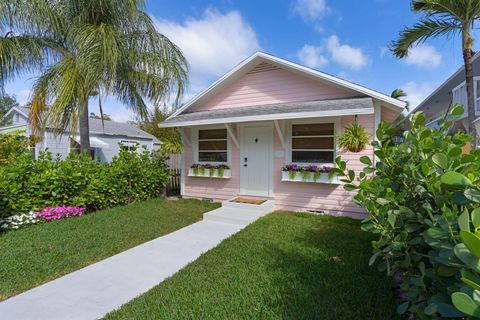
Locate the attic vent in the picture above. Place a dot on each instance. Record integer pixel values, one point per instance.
(262, 67)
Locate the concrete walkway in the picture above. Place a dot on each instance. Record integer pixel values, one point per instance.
(93, 291)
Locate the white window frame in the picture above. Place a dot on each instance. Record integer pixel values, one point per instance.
(477, 100)
(336, 127)
(196, 143)
(129, 144)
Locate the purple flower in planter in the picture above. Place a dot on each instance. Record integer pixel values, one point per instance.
(312, 168)
(327, 168)
(209, 166)
(291, 167)
(222, 166)
(195, 165)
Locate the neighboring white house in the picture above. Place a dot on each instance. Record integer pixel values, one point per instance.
(105, 140)
(452, 91)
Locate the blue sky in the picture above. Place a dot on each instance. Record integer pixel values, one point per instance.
(345, 38)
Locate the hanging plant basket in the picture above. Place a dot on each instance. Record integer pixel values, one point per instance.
(355, 138)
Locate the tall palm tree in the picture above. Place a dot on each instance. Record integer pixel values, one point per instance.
(86, 48)
(445, 17)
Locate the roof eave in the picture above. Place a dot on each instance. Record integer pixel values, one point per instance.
(277, 116)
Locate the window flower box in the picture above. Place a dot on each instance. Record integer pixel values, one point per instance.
(221, 171)
(308, 174)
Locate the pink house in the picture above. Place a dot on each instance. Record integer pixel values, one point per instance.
(264, 114)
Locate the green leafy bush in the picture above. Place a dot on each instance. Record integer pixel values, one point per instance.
(422, 197)
(11, 146)
(31, 185)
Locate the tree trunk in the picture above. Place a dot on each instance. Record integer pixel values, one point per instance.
(467, 43)
(84, 128)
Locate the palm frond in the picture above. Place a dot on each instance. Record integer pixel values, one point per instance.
(420, 32)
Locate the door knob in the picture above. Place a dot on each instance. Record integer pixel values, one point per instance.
(245, 165)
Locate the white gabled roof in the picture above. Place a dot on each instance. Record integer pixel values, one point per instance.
(257, 57)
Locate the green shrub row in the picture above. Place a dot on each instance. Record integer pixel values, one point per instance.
(28, 184)
(423, 202)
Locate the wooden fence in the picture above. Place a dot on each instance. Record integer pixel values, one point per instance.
(174, 164)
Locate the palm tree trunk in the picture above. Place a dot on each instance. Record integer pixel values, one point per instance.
(467, 43)
(84, 127)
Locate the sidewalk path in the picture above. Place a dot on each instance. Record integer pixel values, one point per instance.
(97, 289)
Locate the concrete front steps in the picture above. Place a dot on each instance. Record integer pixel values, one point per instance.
(239, 213)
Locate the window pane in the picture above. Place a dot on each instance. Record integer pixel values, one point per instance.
(312, 156)
(212, 156)
(312, 143)
(318, 129)
(212, 134)
(212, 145)
(478, 88)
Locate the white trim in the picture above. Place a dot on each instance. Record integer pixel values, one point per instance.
(232, 134)
(17, 110)
(195, 141)
(243, 67)
(277, 116)
(185, 140)
(270, 163)
(280, 133)
(15, 126)
(336, 130)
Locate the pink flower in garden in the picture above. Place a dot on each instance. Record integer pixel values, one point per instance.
(57, 213)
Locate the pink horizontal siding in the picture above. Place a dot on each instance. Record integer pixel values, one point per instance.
(328, 198)
(267, 84)
(218, 189)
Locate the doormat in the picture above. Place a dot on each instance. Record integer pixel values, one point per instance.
(248, 201)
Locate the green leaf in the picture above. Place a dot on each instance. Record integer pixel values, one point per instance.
(464, 254)
(431, 309)
(472, 195)
(457, 110)
(440, 160)
(446, 272)
(472, 242)
(464, 221)
(403, 307)
(382, 201)
(366, 160)
(392, 218)
(476, 217)
(471, 279)
(452, 178)
(464, 303)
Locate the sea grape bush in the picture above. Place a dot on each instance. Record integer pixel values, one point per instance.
(422, 197)
(61, 212)
(32, 185)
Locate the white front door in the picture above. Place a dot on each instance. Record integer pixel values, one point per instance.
(256, 160)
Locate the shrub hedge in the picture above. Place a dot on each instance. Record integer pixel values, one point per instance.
(28, 184)
(423, 202)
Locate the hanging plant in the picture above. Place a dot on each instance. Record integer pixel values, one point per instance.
(355, 138)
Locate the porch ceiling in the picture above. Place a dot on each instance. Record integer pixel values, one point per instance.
(280, 111)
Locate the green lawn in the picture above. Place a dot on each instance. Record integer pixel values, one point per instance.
(36, 254)
(280, 267)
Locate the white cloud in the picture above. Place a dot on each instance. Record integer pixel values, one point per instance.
(312, 56)
(311, 10)
(416, 92)
(212, 44)
(345, 55)
(424, 56)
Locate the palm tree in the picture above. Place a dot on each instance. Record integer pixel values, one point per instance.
(87, 48)
(445, 17)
